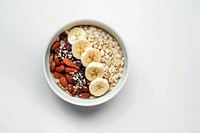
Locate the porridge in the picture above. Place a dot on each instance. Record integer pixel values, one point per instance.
(86, 61)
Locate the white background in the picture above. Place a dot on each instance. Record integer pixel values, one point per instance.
(161, 95)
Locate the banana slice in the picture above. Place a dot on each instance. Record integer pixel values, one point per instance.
(76, 34)
(90, 55)
(94, 70)
(98, 87)
(79, 47)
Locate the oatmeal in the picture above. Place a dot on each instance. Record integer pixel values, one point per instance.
(86, 61)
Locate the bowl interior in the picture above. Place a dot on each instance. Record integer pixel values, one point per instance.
(75, 100)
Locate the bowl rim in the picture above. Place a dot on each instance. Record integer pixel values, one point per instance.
(78, 101)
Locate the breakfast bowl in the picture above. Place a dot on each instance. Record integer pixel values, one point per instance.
(86, 63)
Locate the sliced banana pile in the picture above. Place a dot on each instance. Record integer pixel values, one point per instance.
(90, 58)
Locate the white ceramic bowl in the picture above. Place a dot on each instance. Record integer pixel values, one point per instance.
(75, 100)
